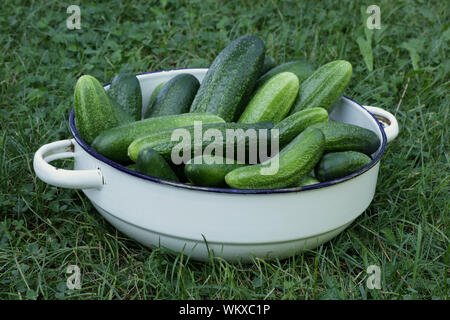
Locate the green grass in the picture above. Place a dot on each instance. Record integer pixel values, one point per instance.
(44, 229)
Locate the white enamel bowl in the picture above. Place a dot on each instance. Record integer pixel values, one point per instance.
(234, 224)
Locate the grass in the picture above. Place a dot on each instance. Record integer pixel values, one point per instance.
(44, 229)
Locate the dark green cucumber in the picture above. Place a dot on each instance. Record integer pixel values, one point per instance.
(269, 63)
(296, 123)
(341, 136)
(93, 111)
(295, 160)
(324, 86)
(272, 101)
(113, 143)
(153, 96)
(336, 165)
(210, 171)
(175, 97)
(302, 69)
(162, 141)
(151, 163)
(121, 115)
(307, 180)
(126, 91)
(231, 78)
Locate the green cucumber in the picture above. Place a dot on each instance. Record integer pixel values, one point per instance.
(93, 111)
(336, 165)
(231, 78)
(296, 123)
(209, 171)
(302, 69)
(121, 115)
(113, 143)
(269, 63)
(153, 96)
(324, 86)
(151, 163)
(162, 141)
(273, 100)
(307, 180)
(126, 91)
(295, 160)
(175, 97)
(341, 136)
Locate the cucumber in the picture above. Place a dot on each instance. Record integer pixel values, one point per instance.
(210, 171)
(341, 136)
(231, 78)
(324, 86)
(151, 163)
(113, 143)
(302, 69)
(93, 111)
(121, 115)
(296, 123)
(126, 91)
(162, 142)
(307, 180)
(269, 63)
(273, 100)
(175, 97)
(296, 160)
(336, 165)
(153, 96)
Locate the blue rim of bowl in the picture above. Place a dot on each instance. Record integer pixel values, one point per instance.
(124, 169)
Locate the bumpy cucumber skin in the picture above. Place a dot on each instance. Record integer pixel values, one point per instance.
(93, 111)
(302, 69)
(307, 180)
(161, 140)
(341, 136)
(296, 160)
(269, 63)
(113, 143)
(336, 165)
(175, 97)
(273, 100)
(231, 78)
(121, 115)
(210, 172)
(324, 86)
(296, 123)
(151, 163)
(126, 91)
(153, 96)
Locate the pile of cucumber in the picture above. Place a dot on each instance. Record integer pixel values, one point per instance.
(243, 89)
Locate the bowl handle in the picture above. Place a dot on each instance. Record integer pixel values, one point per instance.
(75, 179)
(387, 120)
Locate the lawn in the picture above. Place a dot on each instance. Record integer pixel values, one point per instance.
(44, 229)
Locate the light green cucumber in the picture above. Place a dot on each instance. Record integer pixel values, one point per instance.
(324, 86)
(295, 160)
(296, 123)
(273, 100)
(93, 111)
